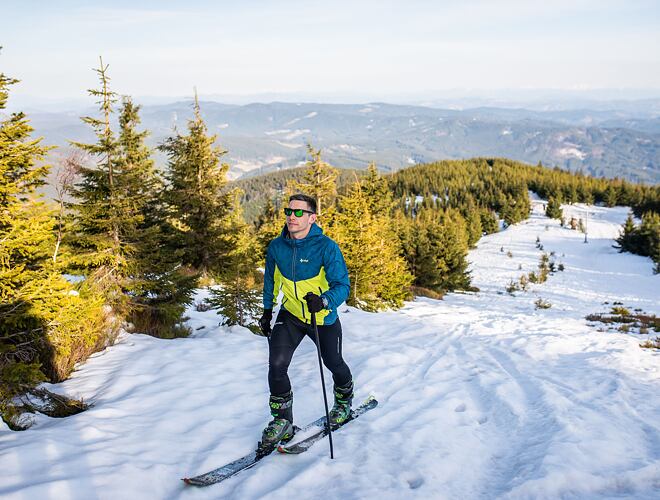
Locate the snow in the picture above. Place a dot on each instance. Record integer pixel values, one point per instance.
(73, 278)
(481, 395)
(296, 133)
(571, 152)
(290, 145)
(296, 120)
(240, 167)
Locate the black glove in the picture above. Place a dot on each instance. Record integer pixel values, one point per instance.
(314, 302)
(264, 322)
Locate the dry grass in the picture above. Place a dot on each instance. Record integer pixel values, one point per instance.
(542, 304)
(651, 344)
(419, 291)
(620, 319)
(637, 320)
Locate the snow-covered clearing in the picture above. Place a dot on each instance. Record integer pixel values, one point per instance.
(481, 396)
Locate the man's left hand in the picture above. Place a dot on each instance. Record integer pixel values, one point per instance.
(314, 302)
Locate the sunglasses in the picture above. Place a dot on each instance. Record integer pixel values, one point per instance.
(298, 212)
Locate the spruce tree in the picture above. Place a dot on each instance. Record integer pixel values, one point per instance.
(429, 269)
(196, 196)
(408, 239)
(489, 221)
(553, 209)
(648, 236)
(474, 227)
(610, 196)
(269, 226)
(439, 251)
(319, 182)
(25, 232)
(45, 325)
(508, 211)
(628, 239)
(378, 274)
(377, 193)
(453, 251)
(99, 250)
(238, 297)
(157, 286)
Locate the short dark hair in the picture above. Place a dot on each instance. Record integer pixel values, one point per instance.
(311, 202)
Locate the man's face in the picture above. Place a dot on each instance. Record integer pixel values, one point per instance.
(299, 226)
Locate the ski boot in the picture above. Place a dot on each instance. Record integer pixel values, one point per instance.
(342, 407)
(280, 429)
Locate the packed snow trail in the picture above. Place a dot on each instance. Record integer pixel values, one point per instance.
(481, 395)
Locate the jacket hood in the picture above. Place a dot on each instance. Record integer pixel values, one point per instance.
(314, 232)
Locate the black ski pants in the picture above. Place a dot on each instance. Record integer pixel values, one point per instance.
(287, 334)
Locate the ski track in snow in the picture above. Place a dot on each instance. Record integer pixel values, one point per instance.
(481, 395)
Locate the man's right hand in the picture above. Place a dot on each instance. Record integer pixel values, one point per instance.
(264, 322)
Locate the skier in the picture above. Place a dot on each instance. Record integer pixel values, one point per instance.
(310, 270)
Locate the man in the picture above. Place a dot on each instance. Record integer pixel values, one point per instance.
(310, 270)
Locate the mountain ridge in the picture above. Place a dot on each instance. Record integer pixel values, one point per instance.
(265, 137)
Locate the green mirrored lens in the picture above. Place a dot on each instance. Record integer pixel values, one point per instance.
(298, 212)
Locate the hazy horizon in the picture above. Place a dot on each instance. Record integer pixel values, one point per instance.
(454, 98)
(345, 52)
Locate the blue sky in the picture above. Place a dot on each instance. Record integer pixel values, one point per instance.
(354, 48)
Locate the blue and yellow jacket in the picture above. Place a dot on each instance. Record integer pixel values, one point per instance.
(312, 264)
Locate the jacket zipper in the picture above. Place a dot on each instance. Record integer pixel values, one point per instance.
(295, 288)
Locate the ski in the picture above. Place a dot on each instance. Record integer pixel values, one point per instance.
(306, 444)
(253, 458)
(241, 464)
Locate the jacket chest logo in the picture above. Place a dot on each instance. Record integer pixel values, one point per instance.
(304, 260)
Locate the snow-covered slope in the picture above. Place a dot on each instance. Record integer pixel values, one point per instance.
(481, 395)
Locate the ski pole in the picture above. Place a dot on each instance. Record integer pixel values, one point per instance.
(325, 396)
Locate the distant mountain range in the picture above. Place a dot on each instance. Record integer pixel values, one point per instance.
(623, 141)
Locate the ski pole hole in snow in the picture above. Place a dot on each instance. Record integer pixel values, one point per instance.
(415, 482)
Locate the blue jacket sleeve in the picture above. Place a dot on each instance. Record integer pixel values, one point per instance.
(336, 274)
(269, 279)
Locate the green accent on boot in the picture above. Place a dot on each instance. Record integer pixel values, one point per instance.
(340, 412)
(278, 429)
(282, 406)
(343, 400)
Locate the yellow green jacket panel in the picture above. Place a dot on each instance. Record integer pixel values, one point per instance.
(312, 264)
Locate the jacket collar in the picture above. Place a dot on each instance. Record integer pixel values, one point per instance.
(314, 232)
